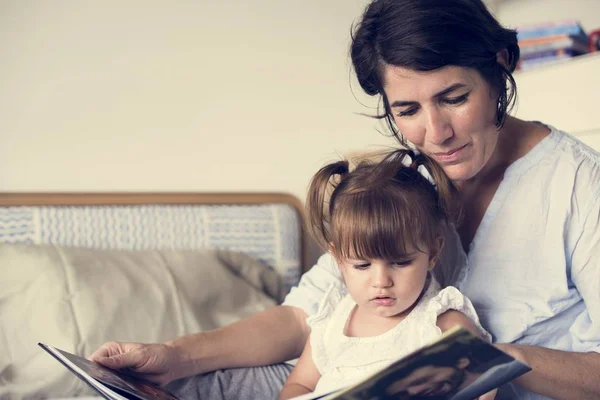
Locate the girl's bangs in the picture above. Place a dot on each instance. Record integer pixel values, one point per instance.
(378, 227)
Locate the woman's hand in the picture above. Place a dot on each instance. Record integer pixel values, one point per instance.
(152, 362)
(512, 350)
(555, 373)
(491, 395)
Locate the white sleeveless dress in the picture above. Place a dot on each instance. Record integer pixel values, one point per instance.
(343, 360)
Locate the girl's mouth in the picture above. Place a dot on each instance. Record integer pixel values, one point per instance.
(384, 301)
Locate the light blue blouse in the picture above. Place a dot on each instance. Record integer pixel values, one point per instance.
(533, 267)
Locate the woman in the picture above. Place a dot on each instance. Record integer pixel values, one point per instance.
(526, 252)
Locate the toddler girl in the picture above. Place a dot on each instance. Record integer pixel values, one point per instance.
(384, 224)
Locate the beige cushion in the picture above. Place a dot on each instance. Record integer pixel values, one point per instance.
(77, 299)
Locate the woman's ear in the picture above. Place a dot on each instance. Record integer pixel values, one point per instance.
(502, 58)
(434, 255)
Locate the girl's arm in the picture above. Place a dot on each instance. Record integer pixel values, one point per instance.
(451, 318)
(303, 378)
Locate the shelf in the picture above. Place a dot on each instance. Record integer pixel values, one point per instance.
(585, 58)
(564, 94)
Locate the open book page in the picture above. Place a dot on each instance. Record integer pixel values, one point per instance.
(320, 395)
(458, 366)
(109, 383)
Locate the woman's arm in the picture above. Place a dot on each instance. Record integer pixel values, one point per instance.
(272, 336)
(558, 374)
(303, 378)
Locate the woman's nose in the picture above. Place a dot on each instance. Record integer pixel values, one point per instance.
(438, 128)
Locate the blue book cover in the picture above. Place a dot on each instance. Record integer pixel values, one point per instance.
(558, 43)
(565, 52)
(571, 28)
(470, 365)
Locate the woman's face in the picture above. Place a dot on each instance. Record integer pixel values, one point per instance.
(448, 114)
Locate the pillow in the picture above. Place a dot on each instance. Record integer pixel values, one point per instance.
(77, 299)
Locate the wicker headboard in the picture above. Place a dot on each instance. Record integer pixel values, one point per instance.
(268, 226)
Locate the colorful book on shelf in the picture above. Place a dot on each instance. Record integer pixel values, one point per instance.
(531, 46)
(458, 366)
(550, 39)
(565, 27)
(595, 41)
(565, 53)
(526, 65)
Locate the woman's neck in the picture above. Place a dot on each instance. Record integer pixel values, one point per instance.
(515, 139)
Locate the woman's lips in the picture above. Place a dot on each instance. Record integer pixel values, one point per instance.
(450, 156)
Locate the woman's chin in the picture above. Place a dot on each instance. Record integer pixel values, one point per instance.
(458, 173)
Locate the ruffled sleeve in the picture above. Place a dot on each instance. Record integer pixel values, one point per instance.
(450, 298)
(318, 324)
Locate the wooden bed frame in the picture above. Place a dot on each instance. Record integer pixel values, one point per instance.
(137, 198)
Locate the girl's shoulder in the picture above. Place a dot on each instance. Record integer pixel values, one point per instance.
(327, 324)
(450, 298)
(333, 298)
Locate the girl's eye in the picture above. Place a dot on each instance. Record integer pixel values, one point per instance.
(401, 263)
(457, 100)
(361, 267)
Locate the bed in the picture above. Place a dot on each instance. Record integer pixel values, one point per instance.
(78, 270)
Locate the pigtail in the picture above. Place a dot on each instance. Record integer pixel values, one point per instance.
(405, 163)
(447, 193)
(320, 200)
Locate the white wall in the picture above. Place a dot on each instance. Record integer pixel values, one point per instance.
(192, 95)
(199, 95)
(515, 13)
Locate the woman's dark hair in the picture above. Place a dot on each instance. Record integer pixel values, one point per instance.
(375, 210)
(424, 35)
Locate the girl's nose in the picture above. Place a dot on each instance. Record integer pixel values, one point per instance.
(381, 277)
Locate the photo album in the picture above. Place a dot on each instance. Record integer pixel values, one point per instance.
(458, 366)
(110, 384)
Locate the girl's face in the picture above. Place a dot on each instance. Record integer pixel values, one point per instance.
(387, 288)
(448, 114)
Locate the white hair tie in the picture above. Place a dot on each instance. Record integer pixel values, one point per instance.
(426, 174)
(408, 161)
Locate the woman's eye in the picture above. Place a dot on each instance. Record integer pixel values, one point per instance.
(457, 100)
(407, 113)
